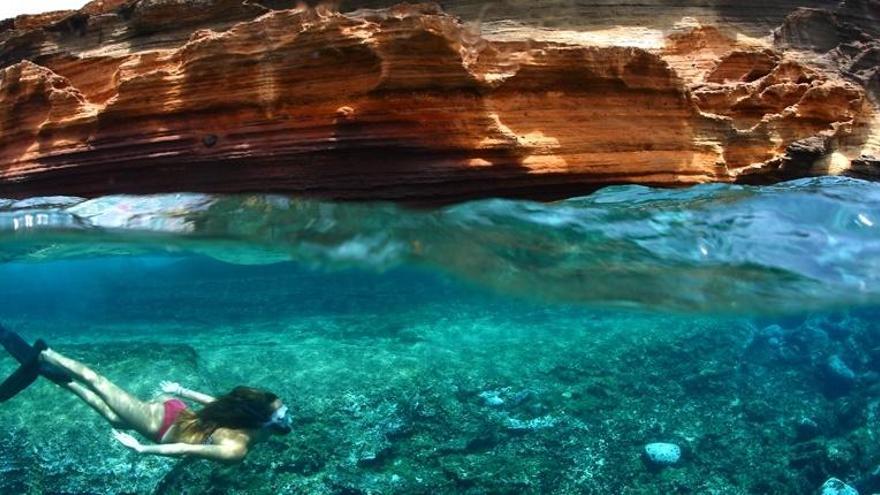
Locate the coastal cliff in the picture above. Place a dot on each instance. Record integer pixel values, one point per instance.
(428, 102)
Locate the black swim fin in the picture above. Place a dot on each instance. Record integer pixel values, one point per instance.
(16, 346)
(24, 353)
(19, 380)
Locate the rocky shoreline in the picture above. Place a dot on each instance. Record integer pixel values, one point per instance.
(412, 103)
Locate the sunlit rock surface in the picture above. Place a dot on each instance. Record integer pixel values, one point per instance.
(428, 102)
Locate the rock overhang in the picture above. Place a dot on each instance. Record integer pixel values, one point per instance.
(410, 103)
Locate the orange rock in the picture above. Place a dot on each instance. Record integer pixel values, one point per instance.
(407, 103)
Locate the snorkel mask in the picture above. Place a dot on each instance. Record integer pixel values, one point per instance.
(279, 422)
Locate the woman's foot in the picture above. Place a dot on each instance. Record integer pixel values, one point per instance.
(49, 369)
(33, 356)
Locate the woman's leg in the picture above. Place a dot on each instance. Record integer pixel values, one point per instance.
(145, 417)
(97, 404)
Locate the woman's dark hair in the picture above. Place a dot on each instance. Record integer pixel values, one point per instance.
(244, 408)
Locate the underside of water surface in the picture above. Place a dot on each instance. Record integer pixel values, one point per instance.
(488, 347)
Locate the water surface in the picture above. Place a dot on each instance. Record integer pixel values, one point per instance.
(489, 347)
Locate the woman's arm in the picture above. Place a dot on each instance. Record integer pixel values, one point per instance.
(230, 452)
(196, 396)
(176, 389)
(223, 452)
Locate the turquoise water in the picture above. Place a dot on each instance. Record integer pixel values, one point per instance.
(489, 347)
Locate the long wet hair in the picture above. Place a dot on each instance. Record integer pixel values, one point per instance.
(244, 408)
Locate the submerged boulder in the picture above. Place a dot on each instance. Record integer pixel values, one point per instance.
(836, 487)
(840, 377)
(661, 454)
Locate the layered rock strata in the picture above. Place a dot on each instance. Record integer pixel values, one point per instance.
(410, 103)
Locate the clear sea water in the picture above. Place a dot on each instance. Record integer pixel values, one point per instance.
(490, 347)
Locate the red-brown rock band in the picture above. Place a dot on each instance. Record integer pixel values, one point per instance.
(411, 103)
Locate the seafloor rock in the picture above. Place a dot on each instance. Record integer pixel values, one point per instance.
(662, 454)
(409, 102)
(836, 487)
(386, 399)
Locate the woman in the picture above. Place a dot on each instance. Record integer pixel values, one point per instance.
(223, 430)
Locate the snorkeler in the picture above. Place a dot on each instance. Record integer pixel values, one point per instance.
(223, 429)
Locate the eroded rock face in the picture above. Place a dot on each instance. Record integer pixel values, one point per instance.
(408, 102)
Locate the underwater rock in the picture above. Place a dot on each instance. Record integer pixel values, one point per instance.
(840, 455)
(521, 397)
(491, 398)
(849, 412)
(765, 345)
(806, 429)
(373, 409)
(839, 375)
(870, 483)
(411, 103)
(836, 487)
(662, 454)
(837, 328)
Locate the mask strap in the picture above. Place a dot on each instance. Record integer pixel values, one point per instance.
(277, 417)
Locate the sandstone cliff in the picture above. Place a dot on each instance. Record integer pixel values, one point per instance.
(426, 102)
